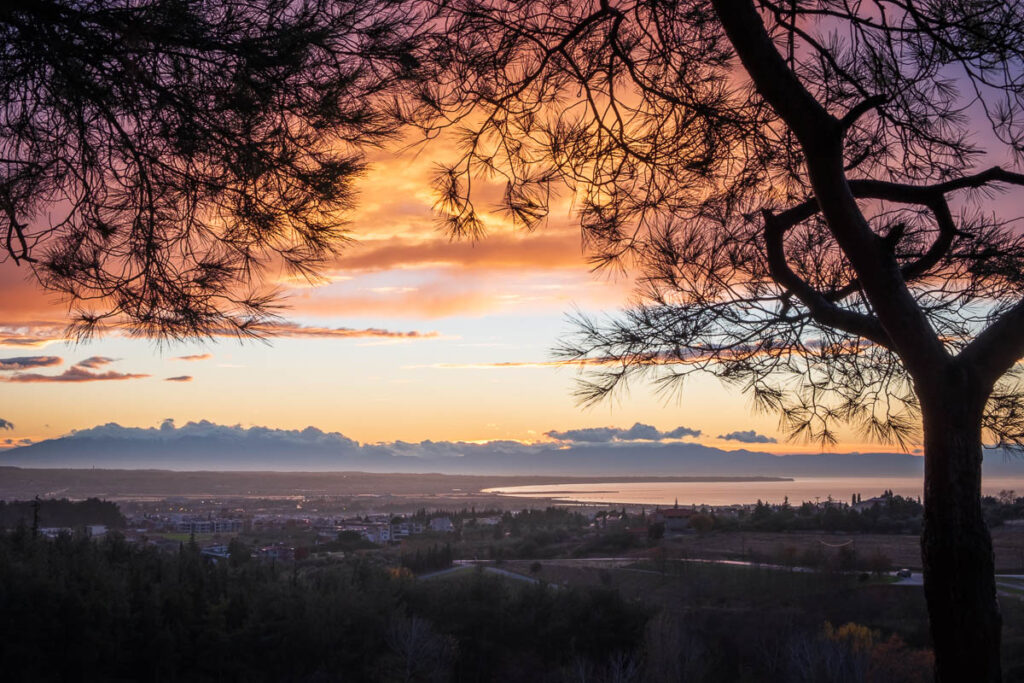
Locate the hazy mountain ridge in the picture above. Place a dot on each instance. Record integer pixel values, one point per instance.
(207, 446)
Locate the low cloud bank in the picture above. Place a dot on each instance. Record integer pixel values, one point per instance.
(638, 432)
(632, 452)
(204, 429)
(747, 436)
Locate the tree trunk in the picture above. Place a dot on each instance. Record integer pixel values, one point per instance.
(956, 547)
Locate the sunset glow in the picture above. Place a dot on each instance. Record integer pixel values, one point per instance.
(410, 336)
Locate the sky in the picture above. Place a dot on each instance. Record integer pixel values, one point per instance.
(412, 337)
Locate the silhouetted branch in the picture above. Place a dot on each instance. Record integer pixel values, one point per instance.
(158, 158)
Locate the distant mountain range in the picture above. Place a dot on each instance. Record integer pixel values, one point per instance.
(207, 446)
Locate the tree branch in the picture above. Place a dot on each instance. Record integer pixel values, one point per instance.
(862, 108)
(820, 136)
(993, 352)
(774, 80)
(821, 309)
(931, 196)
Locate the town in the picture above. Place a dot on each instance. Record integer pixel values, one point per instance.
(876, 534)
(644, 592)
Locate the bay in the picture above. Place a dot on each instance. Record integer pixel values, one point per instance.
(813, 489)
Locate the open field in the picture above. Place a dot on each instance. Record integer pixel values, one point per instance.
(725, 600)
(903, 549)
(184, 538)
(690, 582)
(746, 595)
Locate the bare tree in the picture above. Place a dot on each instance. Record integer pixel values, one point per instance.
(423, 654)
(673, 652)
(801, 190)
(816, 659)
(156, 156)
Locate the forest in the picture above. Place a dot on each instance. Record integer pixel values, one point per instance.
(79, 609)
(76, 608)
(60, 513)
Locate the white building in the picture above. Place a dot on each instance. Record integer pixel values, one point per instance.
(210, 526)
(442, 524)
(404, 529)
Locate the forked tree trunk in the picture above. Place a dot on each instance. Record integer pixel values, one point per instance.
(956, 547)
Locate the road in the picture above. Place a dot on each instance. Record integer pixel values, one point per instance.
(465, 564)
(1009, 585)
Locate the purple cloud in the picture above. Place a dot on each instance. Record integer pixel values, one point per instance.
(93, 362)
(26, 362)
(747, 436)
(638, 432)
(75, 373)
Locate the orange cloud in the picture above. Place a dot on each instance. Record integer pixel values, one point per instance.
(24, 300)
(435, 301)
(287, 329)
(457, 292)
(396, 231)
(502, 365)
(31, 334)
(684, 357)
(194, 357)
(516, 251)
(94, 362)
(39, 334)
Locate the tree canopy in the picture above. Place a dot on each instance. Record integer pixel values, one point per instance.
(157, 156)
(683, 167)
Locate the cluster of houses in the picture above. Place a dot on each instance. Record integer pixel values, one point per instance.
(91, 530)
(198, 525)
(675, 519)
(381, 529)
(187, 524)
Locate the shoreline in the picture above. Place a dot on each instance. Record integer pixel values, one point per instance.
(139, 483)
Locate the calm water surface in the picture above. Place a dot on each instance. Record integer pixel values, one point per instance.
(732, 493)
